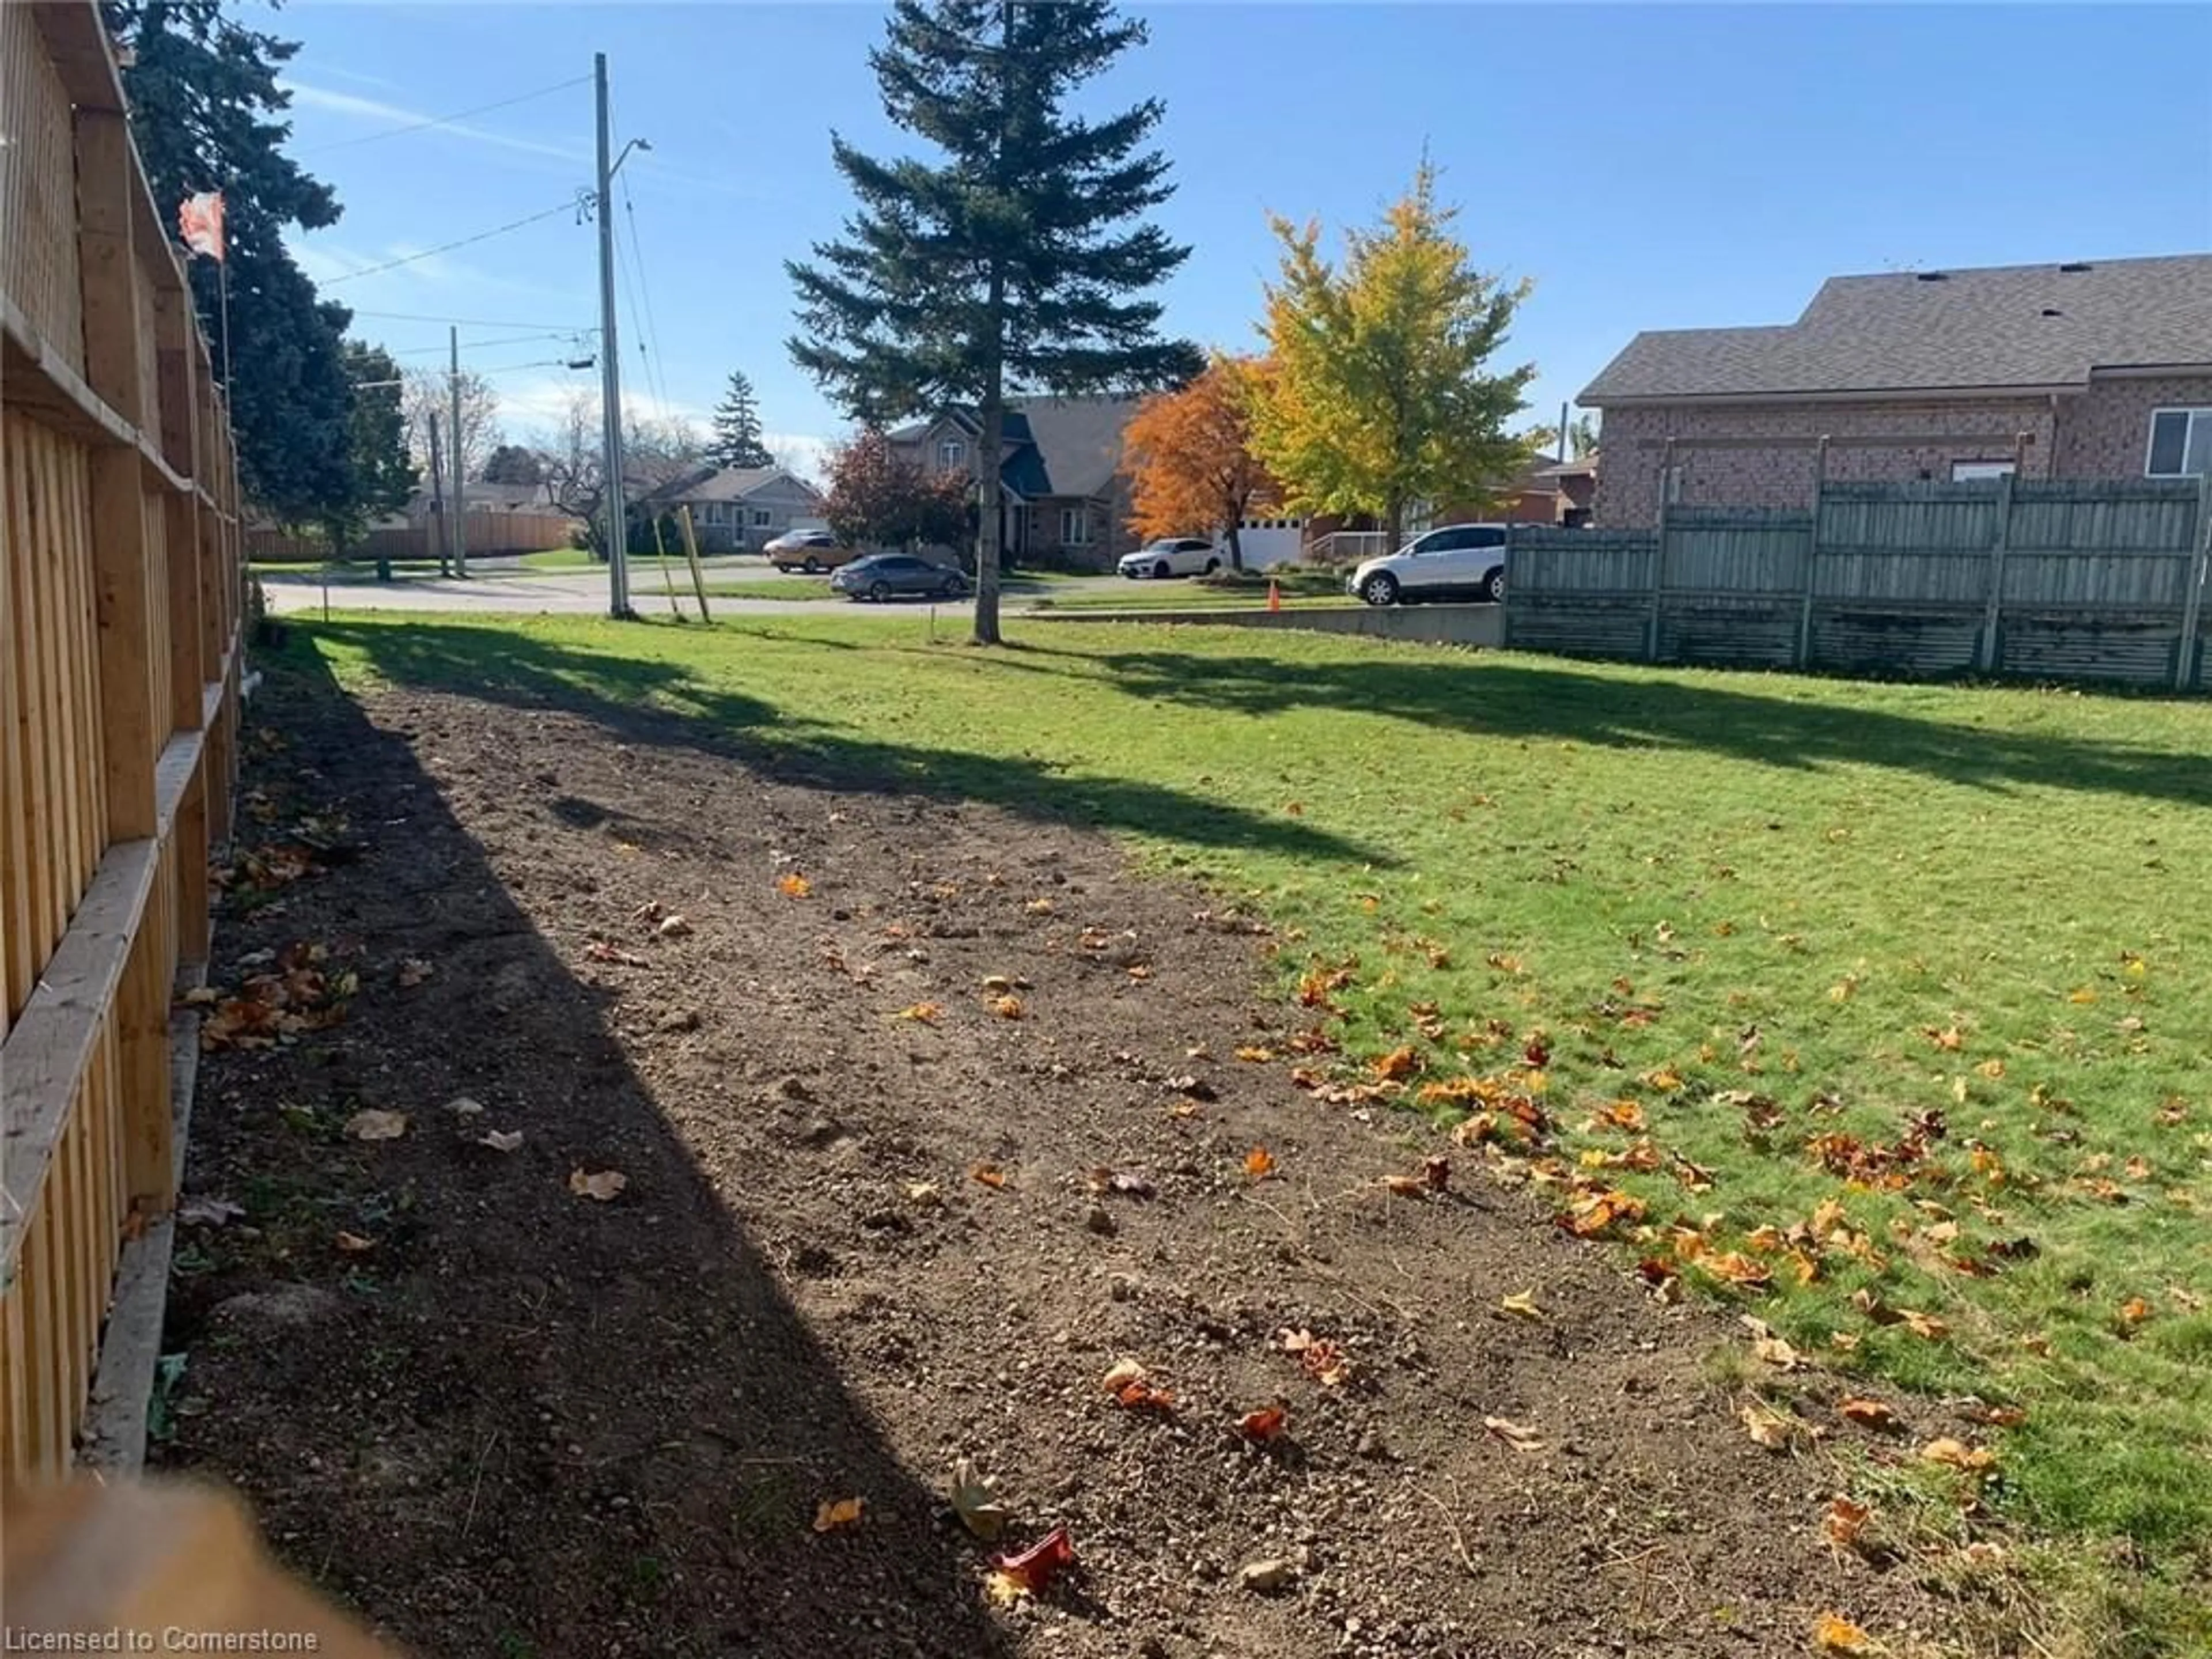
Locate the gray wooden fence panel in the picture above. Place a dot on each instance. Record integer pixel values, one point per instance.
(2052, 579)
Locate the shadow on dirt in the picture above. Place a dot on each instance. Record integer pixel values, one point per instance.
(496, 1416)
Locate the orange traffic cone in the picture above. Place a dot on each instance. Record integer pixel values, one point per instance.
(1274, 595)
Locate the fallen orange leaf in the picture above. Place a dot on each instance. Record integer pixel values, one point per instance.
(989, 1174)
(1835, 1635)
(1259, 1162)
(1869, 1413)
(1035, 1568)
(792, 884)
(1265, 1425)
(1844, 1521)
(1006, 1007)
(834, 1514)
(922, 1013)
(1956, 1453)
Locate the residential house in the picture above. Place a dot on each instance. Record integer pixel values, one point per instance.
(1559, 492)
(2091, 369)
(478, 496)
(1067, 501)
(737, 509)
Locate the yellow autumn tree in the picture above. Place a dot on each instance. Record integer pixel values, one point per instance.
(1188, 454)
(1382, 394)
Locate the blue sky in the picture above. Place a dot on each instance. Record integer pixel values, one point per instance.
(1650, 166)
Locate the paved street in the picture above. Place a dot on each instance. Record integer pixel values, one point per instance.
(494, 586)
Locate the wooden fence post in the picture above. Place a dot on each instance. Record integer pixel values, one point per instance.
(1659, 553)
(2192, 599)
(1812, 553)
(2000, 544)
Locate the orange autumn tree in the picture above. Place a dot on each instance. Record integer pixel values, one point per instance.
(1189, 457)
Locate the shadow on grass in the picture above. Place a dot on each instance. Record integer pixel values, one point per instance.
(525, 1423)
(1488, 697)
(645, 700)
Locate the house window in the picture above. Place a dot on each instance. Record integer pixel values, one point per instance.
(1075, 526)
(1971, 471)
(713, 513)
(762, 518)
(2180, 443)
(1671, 485)
(950, 454)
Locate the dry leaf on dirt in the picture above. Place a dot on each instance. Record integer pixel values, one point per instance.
(792, 884)
(375, 1125)
(1519, 1436)
(1402, 1186)
(989, 1174)
(1006, 1007)
(604, 1185)
(1777, 1352)
(1956, 1453)
(922, 1013)
(1039, 906)
(1844, 1522)
(1323, 1360)
(1870, 1414)
(1259, 1162)
(1837, 1638)
(1034, 1568)
(413, 971)
(462, 1106)
(1776, 1430)
(924, 1192)
(1435, 1170)
(353, 1244)
(500, 1140)
(834, 1514)
(1522, 1304)
(674, 927)
(1254, 1053)
(1266, 1576)
(1263, 1425)
(599, 951)
(975, 1501)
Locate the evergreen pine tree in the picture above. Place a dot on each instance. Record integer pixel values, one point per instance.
(737, 439)
(1012, 259)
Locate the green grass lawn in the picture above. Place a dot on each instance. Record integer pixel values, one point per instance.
(1774, 921)
(559, 558)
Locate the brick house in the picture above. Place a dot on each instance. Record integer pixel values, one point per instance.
(2095, 369)
(1066, 501)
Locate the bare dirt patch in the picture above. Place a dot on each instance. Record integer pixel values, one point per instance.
(928, 1114)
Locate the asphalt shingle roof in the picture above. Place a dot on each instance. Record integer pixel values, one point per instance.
(2005, 326)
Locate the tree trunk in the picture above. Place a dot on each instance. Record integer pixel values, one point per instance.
(1236, 545)
(1394, 524)
(990, 504)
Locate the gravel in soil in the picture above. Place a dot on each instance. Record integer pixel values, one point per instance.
(927, 1115)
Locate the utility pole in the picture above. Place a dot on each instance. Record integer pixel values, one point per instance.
(460, 463)
(438, 497)
(610, 363)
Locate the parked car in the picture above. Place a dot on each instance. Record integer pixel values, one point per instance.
(1454, 562)
(892, 576)
(1172, 555)
(811, 550)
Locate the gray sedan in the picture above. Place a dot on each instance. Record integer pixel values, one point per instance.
(888, 575)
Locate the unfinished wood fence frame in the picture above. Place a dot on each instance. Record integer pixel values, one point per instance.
(2088, 580)
(120, 603)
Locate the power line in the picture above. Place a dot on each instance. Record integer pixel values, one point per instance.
(568, 206)
(468, 322)
(445, 120)
(481, 345)
(645, 289)
(509, 369)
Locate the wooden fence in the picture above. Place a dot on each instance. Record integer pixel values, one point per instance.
(489, 536)
(2051, 580)
(119, 612)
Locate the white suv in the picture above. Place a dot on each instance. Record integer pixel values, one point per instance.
(1172, 555)
(1457, 562)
